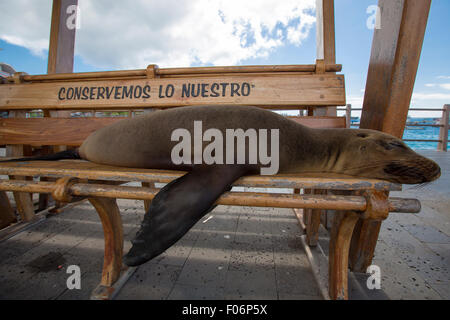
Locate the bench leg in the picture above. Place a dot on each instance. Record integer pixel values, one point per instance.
(365, 235)
(24, 201)
(109, 214)
(363, 244)
(24, 205)
(6, 211)
(340, 237)
(147, 202)
(313, 222)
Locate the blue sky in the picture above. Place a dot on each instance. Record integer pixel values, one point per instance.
(289, 40)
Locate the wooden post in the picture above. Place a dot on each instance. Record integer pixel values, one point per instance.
(443, 131)
(325, 43)
(60, 60)
(394, 60)
(62, 39)
(393, 64)
(62, 43)
(348, 116)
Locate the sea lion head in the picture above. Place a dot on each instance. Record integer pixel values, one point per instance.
(374, 154)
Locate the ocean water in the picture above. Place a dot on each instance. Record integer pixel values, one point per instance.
(431, 133)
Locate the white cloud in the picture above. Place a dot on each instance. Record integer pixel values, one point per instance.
(430, 96)
(445, 86)
(26, 23)
(443, 77)
(133, 34)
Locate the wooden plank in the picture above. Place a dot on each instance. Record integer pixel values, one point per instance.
(93, 171)
(321, 122)
(50, 131)
(181, 72)
(276, 200)
(73, 131)
(318, 90)
(393, 65)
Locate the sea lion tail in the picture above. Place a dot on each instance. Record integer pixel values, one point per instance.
(63, 155)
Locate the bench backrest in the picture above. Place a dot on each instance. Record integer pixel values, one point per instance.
(272, 87)
(73, 131)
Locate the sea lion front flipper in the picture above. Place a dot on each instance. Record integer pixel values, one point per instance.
(177, 207)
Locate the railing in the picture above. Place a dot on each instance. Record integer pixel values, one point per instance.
(443, 124)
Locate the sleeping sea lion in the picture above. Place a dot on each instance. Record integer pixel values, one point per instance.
(147, 142)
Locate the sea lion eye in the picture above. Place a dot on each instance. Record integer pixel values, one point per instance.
(397, 144)
(390, 145)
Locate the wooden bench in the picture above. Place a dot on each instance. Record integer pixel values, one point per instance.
(272, 87)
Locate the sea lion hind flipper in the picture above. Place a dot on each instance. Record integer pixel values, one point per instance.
(177, 207)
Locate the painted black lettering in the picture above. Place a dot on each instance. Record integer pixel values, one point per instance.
(235, 89)
(147, 90)
(117, 92)
(69, 94)
(186, 90)
(214, 88)
(101, 93)
(109, 92)
(194, 93)
(92, 93)
(77, 95)
(127, 92)
(61, 91)
(160, 92)
(137, 92)
(245, 90)
(170, 89)
(85, 93)
(205, 90)
(224, 88)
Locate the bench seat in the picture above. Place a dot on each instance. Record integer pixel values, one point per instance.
(102, 185)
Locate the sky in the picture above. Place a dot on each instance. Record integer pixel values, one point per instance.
(115, 35)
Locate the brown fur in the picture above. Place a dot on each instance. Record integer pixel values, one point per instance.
(145, 142)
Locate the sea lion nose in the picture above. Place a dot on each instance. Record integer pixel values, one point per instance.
(437, 172)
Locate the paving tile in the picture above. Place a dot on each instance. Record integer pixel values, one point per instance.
(196, 292)
(151, 281)
(398, 280)
(257, 284)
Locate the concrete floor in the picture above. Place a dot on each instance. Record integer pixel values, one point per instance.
(238, 253)
(232, 253)
(413, 250)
